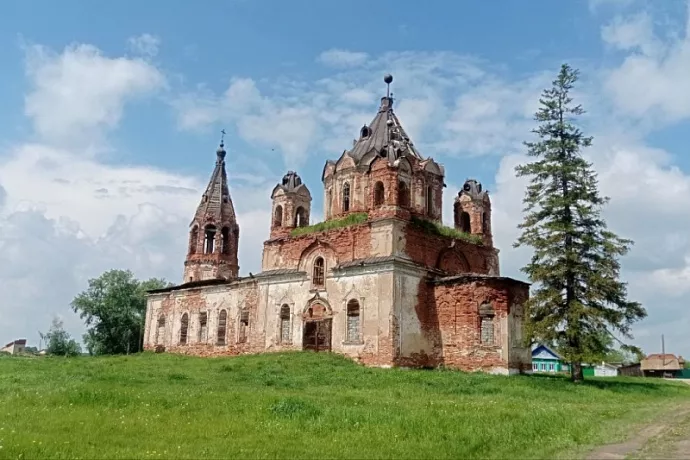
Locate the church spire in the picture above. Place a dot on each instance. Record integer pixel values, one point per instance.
(214, 233)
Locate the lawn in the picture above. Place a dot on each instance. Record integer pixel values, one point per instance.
(303, 405)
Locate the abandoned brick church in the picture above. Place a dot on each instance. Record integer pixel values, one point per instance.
(381, 281)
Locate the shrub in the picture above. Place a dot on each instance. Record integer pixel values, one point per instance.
(351, 219)
(436, 228)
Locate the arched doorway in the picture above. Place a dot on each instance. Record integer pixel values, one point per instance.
(318, 324)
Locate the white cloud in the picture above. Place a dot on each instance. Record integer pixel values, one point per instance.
(651, 82)
(79, 93)
(342, 58)
(145, 44)
(303, 118)
(65, 217)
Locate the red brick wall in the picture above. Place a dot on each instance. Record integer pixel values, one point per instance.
(349, 243)
(456, 309)
(435, 251)
(193, 303)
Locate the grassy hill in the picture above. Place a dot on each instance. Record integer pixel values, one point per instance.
(304, 405)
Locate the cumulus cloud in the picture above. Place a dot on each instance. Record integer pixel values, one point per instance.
(77, 94)
(66, 217)
(302, 118)
(652, 79)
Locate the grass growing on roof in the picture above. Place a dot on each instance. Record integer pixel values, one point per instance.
(350, 219)
(304, 405)
(436, 228)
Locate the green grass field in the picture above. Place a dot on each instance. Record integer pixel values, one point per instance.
(304, 405)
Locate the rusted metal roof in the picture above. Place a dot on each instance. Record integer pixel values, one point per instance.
(384, 135)
(216, 201)
(468, 277)
(279, 271)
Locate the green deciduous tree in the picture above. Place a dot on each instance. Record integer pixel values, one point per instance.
(59, 342)
(114, 308)
(578, 299)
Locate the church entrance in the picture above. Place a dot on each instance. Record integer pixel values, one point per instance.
(317, 335)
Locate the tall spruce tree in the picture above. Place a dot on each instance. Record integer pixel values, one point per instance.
(578, 301)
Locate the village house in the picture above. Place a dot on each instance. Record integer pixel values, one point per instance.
(15, 347)
(381, 281)
(662, 365)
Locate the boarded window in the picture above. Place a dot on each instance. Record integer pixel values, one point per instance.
(243, 327)
(318, 273)
(225, 235)
(278, 216)
(487, 330)
(203, 326)
(465, 222)
(300, 217)
(285, 324)
(353, 321)
(222, 326)
(429, 201)
(160, 330)
(346, 197)
(193, 240)
(379, 194)
(209, 239)
(403, 194)
(184, 329)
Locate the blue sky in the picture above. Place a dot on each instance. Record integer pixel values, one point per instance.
(111, 114)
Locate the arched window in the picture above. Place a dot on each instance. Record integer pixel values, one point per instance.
(225, 235)
(203, 327)
(209, 239)
(184, 328)
(353, 326)
(222, 326)
(318, 272)
(429, 201)
(403, 194)
(278, 216)
(300, 217)
(465, 222)
(160, 330)
(329, 203)
(193, 239)
(346, 197)
(285, 324)
(243, 328)
(379, 195)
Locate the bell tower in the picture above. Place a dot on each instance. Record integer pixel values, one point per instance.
(472, 211)
(291, 205)
(214, 234)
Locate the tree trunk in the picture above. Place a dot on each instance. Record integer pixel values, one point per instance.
(576, 372)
